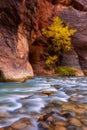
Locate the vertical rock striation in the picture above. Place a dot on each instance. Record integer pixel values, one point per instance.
(21, 22)
(76, 16)
(14, 46)
(19, 28)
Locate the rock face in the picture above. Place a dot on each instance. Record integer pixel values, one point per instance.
(21, 22)
(14, 47)
(77, 18)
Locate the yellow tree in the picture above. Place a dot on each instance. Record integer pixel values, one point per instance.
(60, 40)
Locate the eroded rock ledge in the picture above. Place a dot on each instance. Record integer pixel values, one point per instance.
(21, 22)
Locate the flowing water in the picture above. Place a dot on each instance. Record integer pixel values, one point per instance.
(44, 104)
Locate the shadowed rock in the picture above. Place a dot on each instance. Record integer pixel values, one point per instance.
(21, 22)
(77, 20)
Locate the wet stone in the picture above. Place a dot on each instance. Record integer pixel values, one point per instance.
(18, 125)
(54, 114)
(9, 128)
(84, 121)
(58, 117)
(6, 128)
(29, 128)
(60, 128)
(49, 93)
(22, 111)
(56, 86)
(67, 114)
(71, 127)
(75, 122)
(69, 92)
(55, 103)
(42, 95)
(22, 124)
(73, 98)
(44, 117)
(50, 119)
(4, 114)
(61, 123)
(79, 109)
(84, 128)
(43, 126)
(2, 128)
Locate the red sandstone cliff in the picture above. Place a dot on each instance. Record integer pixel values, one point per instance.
(21, 22)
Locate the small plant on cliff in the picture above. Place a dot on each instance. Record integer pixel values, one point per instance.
(59, 39)
(50, 61)
(66, 71)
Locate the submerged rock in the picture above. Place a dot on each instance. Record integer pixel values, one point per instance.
(22, 124)
(60, 128)
(75, 122)
(49, 93)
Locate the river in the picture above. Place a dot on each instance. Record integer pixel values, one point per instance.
(44, 103)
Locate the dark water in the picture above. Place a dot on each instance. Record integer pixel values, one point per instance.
(30, 99)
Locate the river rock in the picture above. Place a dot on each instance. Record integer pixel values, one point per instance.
(75, 122)
(45, 116)
(22, 111)
(49, 93)
(9, 128)
(57, 117)
(43, 125)
(2, 129)
(67, 114)
(19, 125)
(60, 128)
(84, 121)
(71, 127)
(84, 128)
(73, 98)
(80, 109)
(22, 124)
(56, 86)
(61, 123)
(4, 114)
(50, 119)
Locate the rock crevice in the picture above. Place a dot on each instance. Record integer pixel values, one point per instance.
(21, 22)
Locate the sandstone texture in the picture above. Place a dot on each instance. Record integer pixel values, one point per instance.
(21, 22)
(76, 16)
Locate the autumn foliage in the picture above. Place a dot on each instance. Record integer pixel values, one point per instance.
(59, 40)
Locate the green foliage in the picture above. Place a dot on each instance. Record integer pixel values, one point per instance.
(59, 36)
(50, 61)
(66, 71)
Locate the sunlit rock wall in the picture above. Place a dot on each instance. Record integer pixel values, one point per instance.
(21, 22)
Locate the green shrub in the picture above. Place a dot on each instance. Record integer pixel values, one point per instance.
(59, 40)
(66, 71)
(50, 62)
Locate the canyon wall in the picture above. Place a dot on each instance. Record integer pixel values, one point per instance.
(76, 16)
(21, 22)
